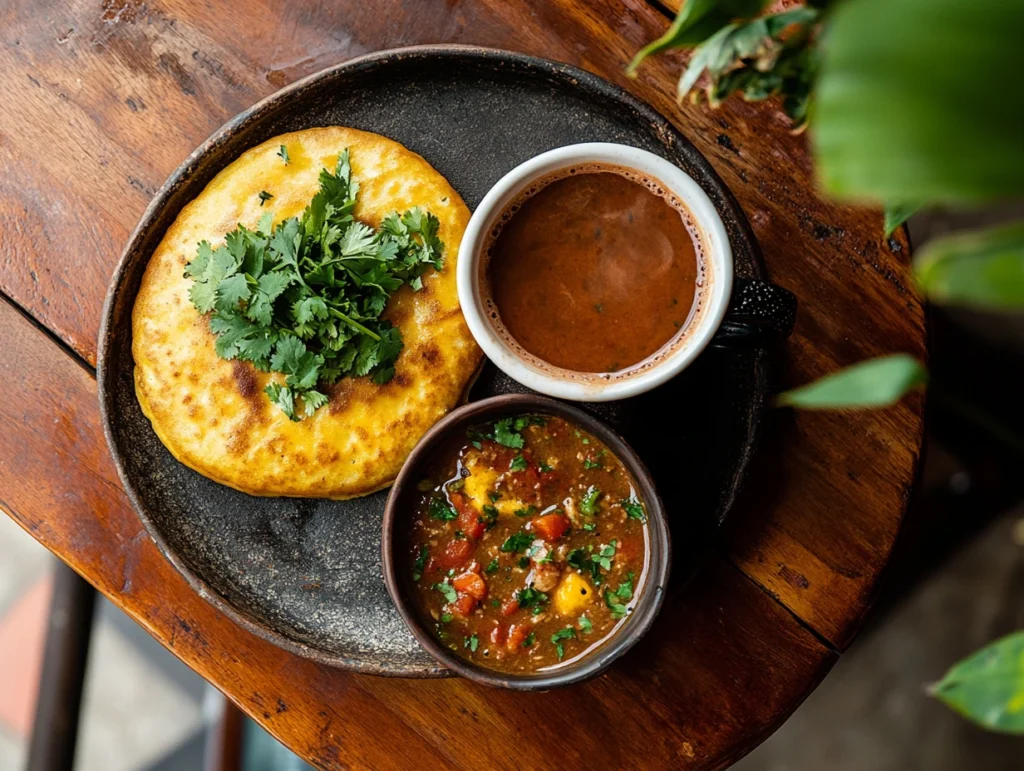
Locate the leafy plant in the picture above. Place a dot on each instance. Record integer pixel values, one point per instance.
(988, 686)
(911, 102)
(984, 269)
(896, 214)
(904, 111)
(696, 21)
(759, 58)
(873, 383)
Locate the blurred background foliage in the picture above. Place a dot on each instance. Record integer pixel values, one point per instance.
(909, 104)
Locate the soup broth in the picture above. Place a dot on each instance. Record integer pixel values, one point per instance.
(595, 272)
(529, 545)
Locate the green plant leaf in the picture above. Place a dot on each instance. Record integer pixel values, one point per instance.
(696, 21)
(896, 214)
(988, 686)
(759, 58)
(872, 383)
(920, 100)
(982, 269)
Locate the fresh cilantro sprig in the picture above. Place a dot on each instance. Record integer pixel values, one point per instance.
(615, 600)
(585, 560)
(441, 509)
(634, 509)
(305, 297)
(531, 598)
(505, 434)
(517, 542)
(568, 633)
(447, 590)
(507, 431)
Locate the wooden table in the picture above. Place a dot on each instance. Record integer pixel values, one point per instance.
(103, 99)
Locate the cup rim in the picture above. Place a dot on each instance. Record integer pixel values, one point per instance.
(651, 596)
(645, 375)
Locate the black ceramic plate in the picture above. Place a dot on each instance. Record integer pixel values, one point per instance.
(306, 574)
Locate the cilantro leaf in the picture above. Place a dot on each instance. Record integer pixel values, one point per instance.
(255, 349)
(441, 509)
(505, 435)
(420, 563)
(359, 240)
(282, 397)
(517, 542)
(312, 401)
(272, 285)
(614, 599)
(301, 365)
(531, 598)
(578, 559)
(383, 375)
(518, 464)
(447, 590)
(584, 561)
(634, 509)
(203, 295)
(232, 331)
(389, 345)
(568, 633)
(490, 517)
(305, 297)
(232, 291)
(310, 308)
(197, 267)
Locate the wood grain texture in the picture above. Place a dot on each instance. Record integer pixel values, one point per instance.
(723, 665)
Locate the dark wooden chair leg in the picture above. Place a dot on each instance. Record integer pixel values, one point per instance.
(55, 730)
(224, 745)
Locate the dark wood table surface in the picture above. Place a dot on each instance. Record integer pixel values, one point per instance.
(104, 98)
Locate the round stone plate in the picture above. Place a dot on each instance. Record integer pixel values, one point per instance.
(306, 574)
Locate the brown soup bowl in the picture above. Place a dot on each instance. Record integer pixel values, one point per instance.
(401, 508)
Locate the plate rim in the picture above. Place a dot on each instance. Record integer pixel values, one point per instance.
(570, 75)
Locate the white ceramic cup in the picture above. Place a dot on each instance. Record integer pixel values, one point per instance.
(705, 320)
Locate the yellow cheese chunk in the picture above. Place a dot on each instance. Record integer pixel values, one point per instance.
(573, 595)
(480, 482)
